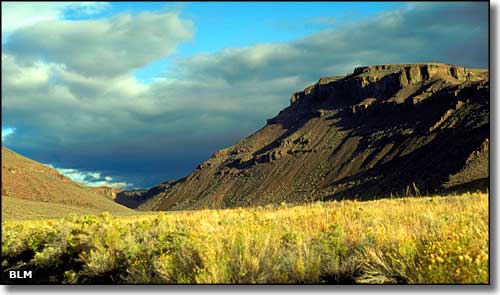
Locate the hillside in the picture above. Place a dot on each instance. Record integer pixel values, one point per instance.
(107, 191)
(379, 131)
(134, 198)
(31, 189)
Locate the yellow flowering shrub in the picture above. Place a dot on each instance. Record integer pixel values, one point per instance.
(408, 241)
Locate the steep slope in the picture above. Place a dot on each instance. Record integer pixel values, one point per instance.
(135, 198)
(31, 189)
(131, 199)
(378, 131)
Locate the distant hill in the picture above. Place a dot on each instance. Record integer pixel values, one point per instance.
(31, 189)
(109, 192)
(134, 198)
(382, 130)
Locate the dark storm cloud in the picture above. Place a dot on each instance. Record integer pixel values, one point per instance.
(144, 134)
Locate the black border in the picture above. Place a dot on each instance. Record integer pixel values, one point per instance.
(48, 287)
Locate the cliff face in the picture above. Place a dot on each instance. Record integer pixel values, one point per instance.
(108, 192)
(385, 83)
(373, 133)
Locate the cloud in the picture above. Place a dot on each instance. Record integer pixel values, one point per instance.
(90, 178)
(16, 15)
(452, 33)
(309, 23)
(105, 47)
(109, 121)
(28, 76)
(7, 131)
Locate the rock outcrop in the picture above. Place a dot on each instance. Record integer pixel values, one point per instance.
(108, 192)
(370, 134)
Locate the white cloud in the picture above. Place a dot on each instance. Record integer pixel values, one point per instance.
(90, 178)
(6, 132)
(16, 15)
(24, 76)
(105, 47)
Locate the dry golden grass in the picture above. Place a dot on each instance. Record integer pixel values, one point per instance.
(408, 240)
(19, 209)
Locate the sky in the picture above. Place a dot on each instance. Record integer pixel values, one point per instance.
(133, 94)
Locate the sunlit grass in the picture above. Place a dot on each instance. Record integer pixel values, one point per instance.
(408, 240)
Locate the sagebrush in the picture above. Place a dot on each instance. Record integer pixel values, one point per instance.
(407, 240)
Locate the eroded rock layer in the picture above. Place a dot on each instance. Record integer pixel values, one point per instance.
(379, 131)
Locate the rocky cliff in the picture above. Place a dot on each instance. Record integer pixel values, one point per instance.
(382, 130)
(108, 192)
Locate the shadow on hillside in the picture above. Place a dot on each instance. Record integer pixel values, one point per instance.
(426, 168)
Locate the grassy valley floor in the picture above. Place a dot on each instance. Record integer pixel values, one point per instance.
(19, 209)
(423, 240)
